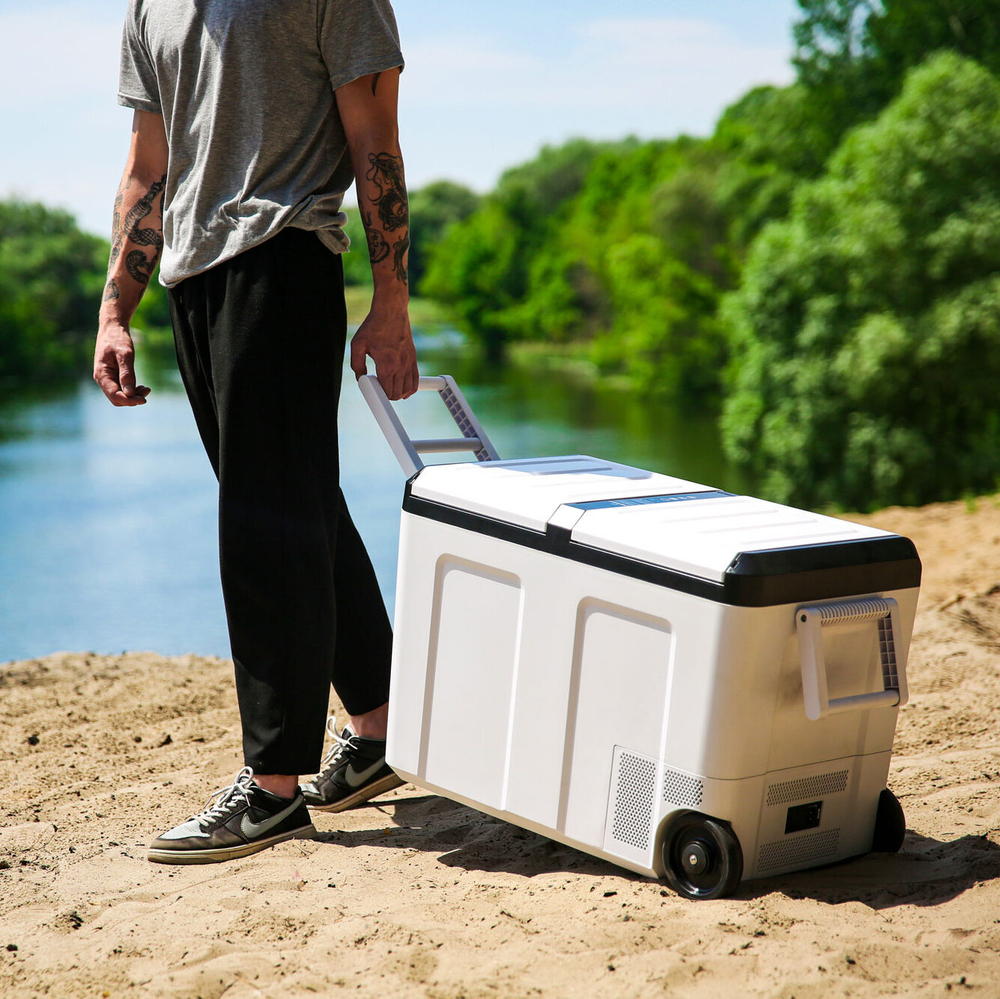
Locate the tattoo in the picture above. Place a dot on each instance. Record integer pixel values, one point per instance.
(111, 291)
(116, 227)
(375, 82)
(139, 266)
(142, 208)
(398, 257)
(378, 248)
(386, 174)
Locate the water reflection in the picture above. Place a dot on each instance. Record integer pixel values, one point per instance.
(108, 519)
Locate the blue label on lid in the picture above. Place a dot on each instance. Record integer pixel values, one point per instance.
(649, 500)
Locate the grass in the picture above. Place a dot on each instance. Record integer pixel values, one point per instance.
(424, 313)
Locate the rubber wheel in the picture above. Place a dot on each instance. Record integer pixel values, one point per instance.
(890, 824)
(702, 858)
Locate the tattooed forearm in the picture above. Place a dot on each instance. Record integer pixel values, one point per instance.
(111, 291)
(387, 195)
(386, 173)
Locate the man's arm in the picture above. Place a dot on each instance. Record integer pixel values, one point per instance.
(368, 111)
(136, 241)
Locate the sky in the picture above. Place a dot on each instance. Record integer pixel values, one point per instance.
(486, 84)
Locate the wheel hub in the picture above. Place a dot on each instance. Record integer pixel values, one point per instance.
(696, 858)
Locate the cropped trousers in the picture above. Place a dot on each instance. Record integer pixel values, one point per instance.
(260, 345)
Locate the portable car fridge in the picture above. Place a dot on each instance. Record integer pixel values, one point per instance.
(689, 683)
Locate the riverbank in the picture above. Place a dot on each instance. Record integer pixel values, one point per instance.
(417, 896)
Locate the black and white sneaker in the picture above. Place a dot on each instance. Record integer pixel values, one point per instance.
(353, 771)
(238, 820)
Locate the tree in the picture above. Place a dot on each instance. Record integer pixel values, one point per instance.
(867, 328)
(483, 265)
(434, 208)
(853, 55)
(51, 278)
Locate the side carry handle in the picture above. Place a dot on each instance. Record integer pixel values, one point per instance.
(810, 622)
(408, 451)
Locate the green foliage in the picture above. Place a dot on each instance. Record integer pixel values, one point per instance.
(664, 335)
(768, 141)
(867, 327)
(357, 269)
(153, 312)
(479, 272)
(853, 55)
(434, 208)
(51, 278)
(484, 265)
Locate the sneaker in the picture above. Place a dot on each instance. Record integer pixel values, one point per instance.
(238, 820)
(353, 771)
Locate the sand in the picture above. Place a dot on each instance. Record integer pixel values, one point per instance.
(417, 896)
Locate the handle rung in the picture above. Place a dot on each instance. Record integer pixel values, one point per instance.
(863, 702)
(440, 445)
(408, 451)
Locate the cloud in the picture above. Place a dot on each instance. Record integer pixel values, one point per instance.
(473, 103)
(650, 70)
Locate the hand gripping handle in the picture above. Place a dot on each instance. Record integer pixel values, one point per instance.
(408, 451)
(810, 622)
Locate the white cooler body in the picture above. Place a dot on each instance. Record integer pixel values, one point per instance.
(587, 650)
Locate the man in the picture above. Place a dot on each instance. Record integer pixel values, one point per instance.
(250, 121)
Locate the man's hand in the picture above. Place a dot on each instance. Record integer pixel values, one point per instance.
(385, 337)
(114, 366)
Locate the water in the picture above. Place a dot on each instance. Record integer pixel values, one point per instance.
(108, 517)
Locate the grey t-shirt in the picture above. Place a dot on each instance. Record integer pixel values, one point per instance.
(245, 88)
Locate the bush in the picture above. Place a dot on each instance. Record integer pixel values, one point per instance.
(867, 329)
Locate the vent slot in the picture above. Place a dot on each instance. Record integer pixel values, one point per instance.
(634, 796)
(807, 788)
(799, 852)
(887, 652)
(682, 789)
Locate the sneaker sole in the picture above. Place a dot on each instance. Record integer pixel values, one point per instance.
(362, 794)
(220, 854)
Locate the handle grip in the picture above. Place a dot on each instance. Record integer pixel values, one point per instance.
(408, 451)
(810, 622)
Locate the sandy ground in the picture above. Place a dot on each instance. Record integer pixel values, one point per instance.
(418, 896)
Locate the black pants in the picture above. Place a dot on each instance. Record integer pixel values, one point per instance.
(260, 345)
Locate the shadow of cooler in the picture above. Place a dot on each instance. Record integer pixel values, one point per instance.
(689, 683)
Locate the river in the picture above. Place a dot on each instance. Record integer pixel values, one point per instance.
(107, 516)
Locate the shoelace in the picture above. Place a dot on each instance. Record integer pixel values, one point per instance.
(332, 758)
(225, 798)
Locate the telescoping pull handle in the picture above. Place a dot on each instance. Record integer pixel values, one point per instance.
(810, 622)
(408, 451)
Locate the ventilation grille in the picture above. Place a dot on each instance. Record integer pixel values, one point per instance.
(806, 788)
(887, 652)
(682, 789)
(634, 800)
(799, 852)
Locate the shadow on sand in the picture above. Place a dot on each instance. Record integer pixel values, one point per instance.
(925, 872)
